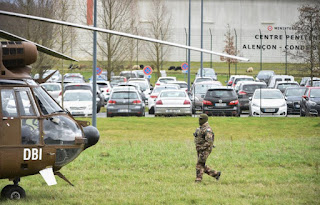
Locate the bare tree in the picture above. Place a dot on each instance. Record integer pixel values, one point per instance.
(160, 29)
(39, 32)
(229, 48)
(114, 15)
(308, 26)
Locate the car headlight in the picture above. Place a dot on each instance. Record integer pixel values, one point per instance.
(312, 103)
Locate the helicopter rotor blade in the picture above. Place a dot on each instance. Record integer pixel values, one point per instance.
(43, 49)
(118, 34)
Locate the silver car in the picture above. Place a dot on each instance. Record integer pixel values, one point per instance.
(173, 102)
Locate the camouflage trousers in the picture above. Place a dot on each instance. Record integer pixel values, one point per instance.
(201, 167)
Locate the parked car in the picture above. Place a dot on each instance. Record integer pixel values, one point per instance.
(78, 102)
(54, 89)
(165, 80)
(125, 102)
(198, 92)
(136, 86)
(282, 85)
(201, 79)
(239, 78)
(128, 74)
(221, 101)
(86, 86)
(144, 86)
(105, 89)
(267, 102)
(155, 93)
(314, 80)
(115, 80)
(173, 102)
(182, 84)
(310, 102)
(304, 81)
(207, 72)
(53, 79)
(140, 73)
(265, 75)
(246, 90)
(275, 78)
(230, 81)
(293, 98)
(74, 78)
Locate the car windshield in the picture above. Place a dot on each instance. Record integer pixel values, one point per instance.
(142, 84)
(159, 89)
(182, 85)
(316, 84)
(78, 87)
(173, 94)
(202, 89)
(268, 94)
(124, 95)
(165, 80)
(221, 93)
(198, 80)
(243, 79)
(315, 93)
(78, 96)
(252, 88)
(102, 85)
(51, 87)
(264, 74)
(295, 92)
(287, 85)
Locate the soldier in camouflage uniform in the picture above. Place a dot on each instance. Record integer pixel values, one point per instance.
(203, 138)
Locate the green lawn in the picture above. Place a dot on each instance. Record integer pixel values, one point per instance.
(152, 161)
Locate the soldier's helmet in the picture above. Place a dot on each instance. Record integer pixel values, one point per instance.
(203, 119)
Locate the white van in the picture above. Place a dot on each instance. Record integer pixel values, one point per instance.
(274, 79)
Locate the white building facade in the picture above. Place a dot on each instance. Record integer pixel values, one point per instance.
(255, 24)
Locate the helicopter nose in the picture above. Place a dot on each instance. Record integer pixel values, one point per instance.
(92, 134)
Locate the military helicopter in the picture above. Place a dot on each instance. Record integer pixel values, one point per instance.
(36, 134)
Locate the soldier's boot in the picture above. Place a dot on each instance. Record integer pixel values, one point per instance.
(218, 176)
(199, 174)
(212, 173)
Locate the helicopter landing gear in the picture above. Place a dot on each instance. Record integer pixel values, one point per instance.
(13, 192)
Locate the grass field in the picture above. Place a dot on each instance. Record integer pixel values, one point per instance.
(152, 161)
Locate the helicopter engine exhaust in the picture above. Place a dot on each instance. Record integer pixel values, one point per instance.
(92, 134)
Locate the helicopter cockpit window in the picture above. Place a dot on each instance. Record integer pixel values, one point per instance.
(25, 106)
(46, 103)
(30, 133)
(8, 101)
(60, 130)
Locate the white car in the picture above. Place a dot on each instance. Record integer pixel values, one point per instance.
(53, 79)
(54, 89)
(183, 85)
(155, 93)
(165, 80)
(267, 102)
(105, 89)
(239, 78)
(78, 102)
(173, 102)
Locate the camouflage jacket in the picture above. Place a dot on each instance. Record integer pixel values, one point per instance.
(204, 137)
